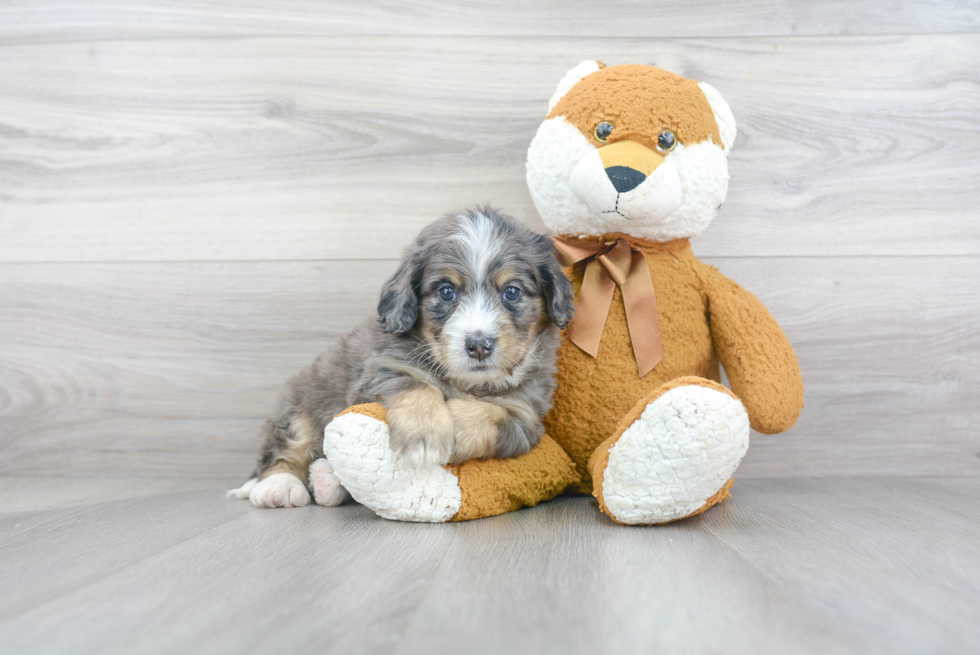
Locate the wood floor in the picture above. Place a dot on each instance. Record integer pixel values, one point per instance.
(848, 565)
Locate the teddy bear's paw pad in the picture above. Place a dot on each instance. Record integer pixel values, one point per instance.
(325, 485)
(279, 490)
(387, 483)
(678, 454)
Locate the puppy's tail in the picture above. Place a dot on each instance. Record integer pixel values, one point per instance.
(242, 491)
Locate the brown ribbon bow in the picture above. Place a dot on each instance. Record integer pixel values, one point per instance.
(609, 264)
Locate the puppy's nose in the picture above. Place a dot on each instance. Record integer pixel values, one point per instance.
(479, 345)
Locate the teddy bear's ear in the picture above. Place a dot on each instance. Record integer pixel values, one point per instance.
(723, 115)
(572, 78)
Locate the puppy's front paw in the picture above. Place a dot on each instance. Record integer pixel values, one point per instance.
(421, 427)
(476, 428)
(279, 490)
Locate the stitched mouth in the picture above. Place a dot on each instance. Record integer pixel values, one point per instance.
(615, 210)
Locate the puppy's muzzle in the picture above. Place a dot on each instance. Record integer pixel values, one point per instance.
(628, 164)
(479, 346)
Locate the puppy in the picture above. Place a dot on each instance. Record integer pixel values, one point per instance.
(462, 356)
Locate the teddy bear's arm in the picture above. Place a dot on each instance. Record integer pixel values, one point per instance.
(762, 368)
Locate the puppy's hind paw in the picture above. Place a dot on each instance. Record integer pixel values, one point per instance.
(325, 485)
(279, 490)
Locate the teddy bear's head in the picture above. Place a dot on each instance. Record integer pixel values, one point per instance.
(631, 149)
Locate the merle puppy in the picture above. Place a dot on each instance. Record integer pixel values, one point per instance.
(461, 355)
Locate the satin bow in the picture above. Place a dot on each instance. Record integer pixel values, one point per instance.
(608, 265)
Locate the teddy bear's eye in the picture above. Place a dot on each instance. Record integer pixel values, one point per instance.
(666, 141)
(603, 130)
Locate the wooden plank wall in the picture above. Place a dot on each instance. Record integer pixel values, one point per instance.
(197, 197)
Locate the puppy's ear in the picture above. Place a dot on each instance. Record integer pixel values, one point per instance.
(559, 297)
(399, 306)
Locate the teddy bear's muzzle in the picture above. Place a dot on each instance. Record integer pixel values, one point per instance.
(628, 164)
(627, 182)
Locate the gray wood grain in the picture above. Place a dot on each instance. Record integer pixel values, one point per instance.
(33, 494)
(830, 540)
(170, 368)
(310, 148)
(567, 580)
(177, 363)
(90, 542)
(824, 566)
(29, 502)
(54, 20)
(303, 580)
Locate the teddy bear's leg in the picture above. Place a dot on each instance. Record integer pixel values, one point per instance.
(673, 455)
(356, 445)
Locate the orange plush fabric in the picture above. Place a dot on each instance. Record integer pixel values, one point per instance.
(374, 410)
(494, 486)
(625, 95)
(755, 352)
(595, 394)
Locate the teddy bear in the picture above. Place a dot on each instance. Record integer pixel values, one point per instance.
(629, 164)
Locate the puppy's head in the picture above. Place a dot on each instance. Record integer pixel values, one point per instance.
(478, 288)
(631, 149)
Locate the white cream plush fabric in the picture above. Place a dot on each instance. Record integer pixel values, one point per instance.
(357, 448)
(679, 453)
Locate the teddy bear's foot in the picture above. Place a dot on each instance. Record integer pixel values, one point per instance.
(356, 444)
(393, 487)
(676, 458)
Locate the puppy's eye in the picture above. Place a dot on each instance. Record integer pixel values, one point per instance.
(666, 141)
(447, 293)
(512, 294)
(603, 130)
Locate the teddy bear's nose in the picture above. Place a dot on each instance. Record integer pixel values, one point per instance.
(628, 163)
(624, 178)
